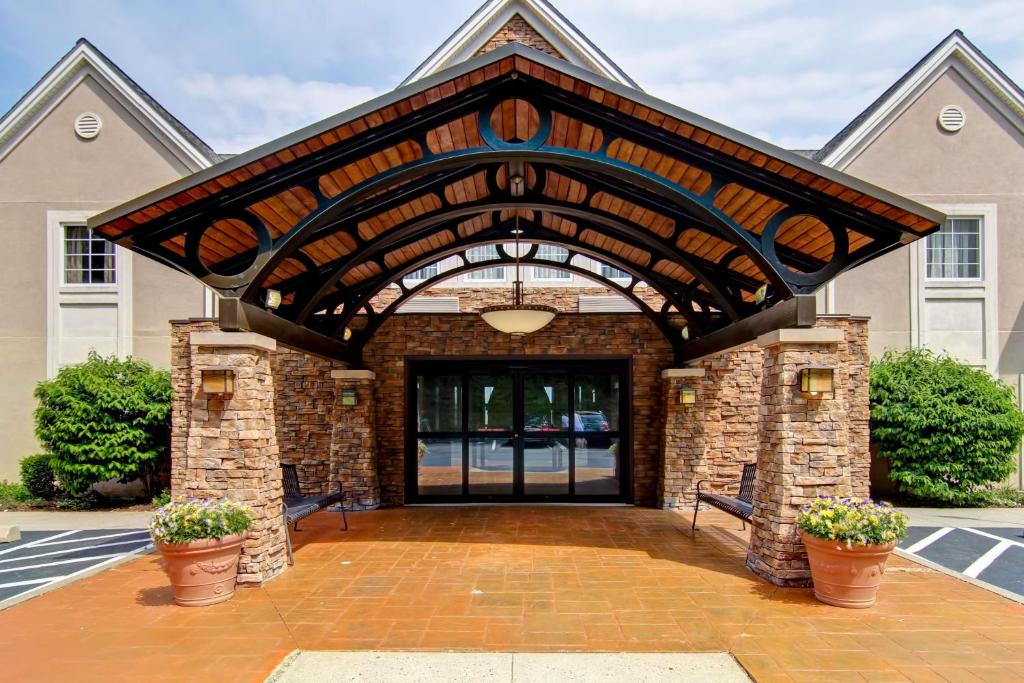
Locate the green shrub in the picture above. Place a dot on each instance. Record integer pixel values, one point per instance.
(37, 476)
(949, 430)
(162, 498)
(12, 495)
(105, 419)
(855, 521)
(195, 520)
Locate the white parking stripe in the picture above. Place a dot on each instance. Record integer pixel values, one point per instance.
(95, 538)
(982, 563)
(32, 544)
(979, 532)
(54, 564)
(33, 582)
(73, 550)
(929, 539)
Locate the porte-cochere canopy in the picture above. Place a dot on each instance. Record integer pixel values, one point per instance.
(335, 213)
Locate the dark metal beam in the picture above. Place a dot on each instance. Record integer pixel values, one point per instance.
(237, 315)
(798, 311)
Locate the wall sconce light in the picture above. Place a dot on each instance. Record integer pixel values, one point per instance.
(761, 294)
(817, 381)
(348, 397)
(218, 382)
(273, 299)
(687, 395)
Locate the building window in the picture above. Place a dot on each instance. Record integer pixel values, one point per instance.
(488, 253)
(549, 252)
(88, 258)
(954, 252)
(424, 273)
(614, 273)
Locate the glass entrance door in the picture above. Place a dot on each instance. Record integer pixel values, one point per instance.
(517, 431)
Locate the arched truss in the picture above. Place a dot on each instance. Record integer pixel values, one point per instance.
(334, 214)
(504, 257)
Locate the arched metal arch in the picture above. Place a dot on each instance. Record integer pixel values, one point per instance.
(674, 294)
(677, 294)
(610, 225)
(375, 320)
(333, 213)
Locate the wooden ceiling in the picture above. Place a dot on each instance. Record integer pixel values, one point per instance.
(334, 213)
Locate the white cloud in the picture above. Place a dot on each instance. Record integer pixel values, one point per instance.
(242, 111)
(722, 11)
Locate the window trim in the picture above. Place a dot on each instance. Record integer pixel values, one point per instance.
(59, 294)
(471, 276)
(91, 286)
(986, 288)
(601, 265)
(562, 275)
(980, 217)
(437, 271)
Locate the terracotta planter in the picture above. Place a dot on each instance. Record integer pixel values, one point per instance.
(202, 572)
(846, 576)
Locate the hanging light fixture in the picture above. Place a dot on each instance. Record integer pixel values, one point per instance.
(517, 317)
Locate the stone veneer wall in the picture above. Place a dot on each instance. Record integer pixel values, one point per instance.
(307, 416)
(305, 413)
(855, 358)
(730, 405)
(228, 447)
(592, 334)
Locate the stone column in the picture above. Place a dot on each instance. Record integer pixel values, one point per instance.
(354, 440)
(802, 449)
(231, 450)
(683, 445)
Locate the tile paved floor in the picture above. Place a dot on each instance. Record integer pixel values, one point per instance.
(516, 579)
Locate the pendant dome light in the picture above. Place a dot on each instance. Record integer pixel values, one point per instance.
(518, 318)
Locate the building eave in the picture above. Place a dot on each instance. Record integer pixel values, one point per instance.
(21, 119)
(956, 52)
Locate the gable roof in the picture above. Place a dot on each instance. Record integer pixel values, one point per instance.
(551, 25)
(20, 119)
(954, 51)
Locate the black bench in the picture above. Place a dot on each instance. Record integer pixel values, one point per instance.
(297, 507)
(741, 506)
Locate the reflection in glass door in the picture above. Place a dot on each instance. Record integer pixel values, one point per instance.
(519, 431)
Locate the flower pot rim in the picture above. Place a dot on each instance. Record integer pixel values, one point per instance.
(204, 542)
(817, 540)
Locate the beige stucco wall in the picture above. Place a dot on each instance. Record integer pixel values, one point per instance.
(53, 170)
(981, 164)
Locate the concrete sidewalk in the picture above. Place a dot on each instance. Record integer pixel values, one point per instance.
(965, 517)
(53, 520)
(523, 667)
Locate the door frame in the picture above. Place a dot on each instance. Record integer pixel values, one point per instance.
(413, 364)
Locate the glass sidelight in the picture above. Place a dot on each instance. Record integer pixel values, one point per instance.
(537, 431)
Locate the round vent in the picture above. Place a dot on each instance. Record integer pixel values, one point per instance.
(87, 126)
(952, 118)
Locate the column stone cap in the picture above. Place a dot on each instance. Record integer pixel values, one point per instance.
(673, 373)
(353, 374)
(802, 335)
(249, 340)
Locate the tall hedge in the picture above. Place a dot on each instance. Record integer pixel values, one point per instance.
(105, 419)
(949, 430)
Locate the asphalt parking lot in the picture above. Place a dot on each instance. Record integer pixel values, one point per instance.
(42, 559)
(994, 555)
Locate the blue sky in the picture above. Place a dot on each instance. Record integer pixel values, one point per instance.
(241, 72)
